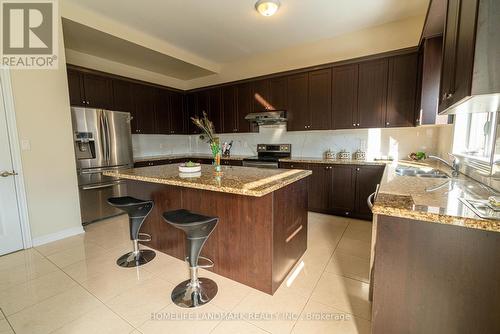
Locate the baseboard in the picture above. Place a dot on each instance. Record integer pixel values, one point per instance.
(57, 236)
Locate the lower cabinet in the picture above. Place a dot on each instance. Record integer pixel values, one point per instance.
(340, 189)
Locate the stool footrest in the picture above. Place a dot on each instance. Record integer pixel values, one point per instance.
(144, 237)
(209, 265)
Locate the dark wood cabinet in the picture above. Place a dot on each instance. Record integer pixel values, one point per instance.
(278, 93)
(177, 113)
(366, 94)
(261, 95)
(372, 93)
(98, 91)
(431, 71)
(75, 87)
(320, 187)
(123, 96)
(229, 162)
(345, 96)
(215, 108)
(192, 110)
(144, 116)
(170, 112)
(298, 102)
(367, 179)
(320, 100)
(402, 91)
(340, 189)
(229, 110)
(343, 190)
(458, 51)
(89, 90)
(162, 111)
(244, 105)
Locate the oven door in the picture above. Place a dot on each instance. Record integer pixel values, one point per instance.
(261, 164)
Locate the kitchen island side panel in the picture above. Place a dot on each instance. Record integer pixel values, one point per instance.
(249, 245)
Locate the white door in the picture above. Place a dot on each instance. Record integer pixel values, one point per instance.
(11, 238)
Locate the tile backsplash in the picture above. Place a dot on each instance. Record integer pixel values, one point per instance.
(149, 145)
(395, 142)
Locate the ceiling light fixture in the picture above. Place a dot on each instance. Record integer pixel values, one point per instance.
(267, 7)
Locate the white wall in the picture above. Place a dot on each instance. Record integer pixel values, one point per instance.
(42, 109)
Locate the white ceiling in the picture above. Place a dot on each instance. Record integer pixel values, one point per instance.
(85, 39)
(223, 31)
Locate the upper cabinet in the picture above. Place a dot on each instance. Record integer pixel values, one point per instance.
(145, 105)
(244, 106)
(376, 93)
(75, 87)
(123, 96)
(310, 101)
(215, 108)
(261, 95)
(89, 90)
(372, 93)
(298, 102)
(402, 91)
(320, 99)
(470, 75)
(170, 112)
(431, 71)
(229, 110)
(278, 93)
(345, 96)
(458, 51)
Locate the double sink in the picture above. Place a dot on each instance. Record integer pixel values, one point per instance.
(420, 172)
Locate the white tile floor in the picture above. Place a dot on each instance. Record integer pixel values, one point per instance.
(74, 286)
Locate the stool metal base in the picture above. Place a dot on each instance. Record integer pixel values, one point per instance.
(135, 259)
(190, 295)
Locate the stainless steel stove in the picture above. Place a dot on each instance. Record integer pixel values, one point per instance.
(268, 155)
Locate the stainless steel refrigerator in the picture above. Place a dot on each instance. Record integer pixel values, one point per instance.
(103, 141)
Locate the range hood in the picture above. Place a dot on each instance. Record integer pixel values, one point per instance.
(270, 117)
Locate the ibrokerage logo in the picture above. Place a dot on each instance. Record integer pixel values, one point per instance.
(29, 34)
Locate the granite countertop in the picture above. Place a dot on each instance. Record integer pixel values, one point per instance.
(235, 180)
(183, 156)
(334, 161)
(432, 199)
(241, 157)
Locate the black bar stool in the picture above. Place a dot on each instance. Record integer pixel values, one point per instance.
(195, 291)
(137, 211)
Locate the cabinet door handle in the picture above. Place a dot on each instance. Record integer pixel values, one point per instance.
(387, 123)
(353, 124)
(357, 169)
(357, 124)
(446, 96)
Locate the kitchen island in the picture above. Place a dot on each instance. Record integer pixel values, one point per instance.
(262, 230)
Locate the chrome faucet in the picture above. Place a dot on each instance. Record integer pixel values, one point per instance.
(454, 165)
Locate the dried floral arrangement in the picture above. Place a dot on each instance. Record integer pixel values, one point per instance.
(208, 129)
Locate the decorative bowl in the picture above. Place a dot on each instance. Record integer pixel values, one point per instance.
(193, 168)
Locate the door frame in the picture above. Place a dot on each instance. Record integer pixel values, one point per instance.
(22, 205)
